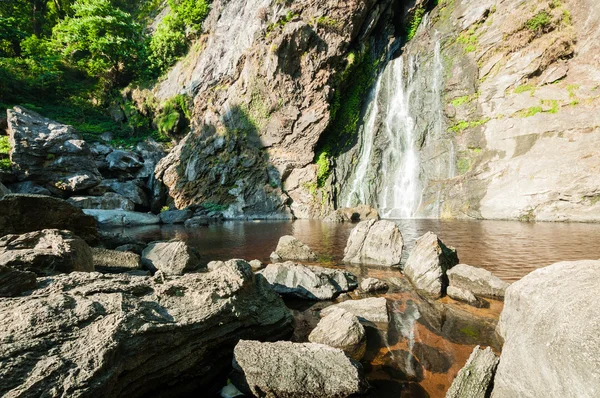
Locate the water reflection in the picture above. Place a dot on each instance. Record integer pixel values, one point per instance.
(508, 249)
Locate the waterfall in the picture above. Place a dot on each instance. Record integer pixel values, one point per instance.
(388, 169)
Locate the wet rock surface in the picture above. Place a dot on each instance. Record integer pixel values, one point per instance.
(475, 379)
(550, 333)
(17, 216)
(312, 283)
(172, 258)
(341, 329)
(46, 252)
(291, 249)
(369, 310)
(428, 263)
(375, 242)
(285, 369)
(478, 281)
(128, 335)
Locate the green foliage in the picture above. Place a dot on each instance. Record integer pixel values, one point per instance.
(327, 22)
(465, 99)
(534, 110)
(164, 208)
(463, 165)
(414, 22)
(465, 124)
(525, 88)
(4, 145)
(5, 164)
(540, 22)
(209, 206)
(191, 12)
(281, 22)
(553, 104)
(469, 39)
(100, 39)
(174, 112)
(323, 168)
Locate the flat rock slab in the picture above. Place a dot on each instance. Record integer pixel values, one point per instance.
(172, 258)
(291, 249)
(312, 283)
(121, 218)
(374, 242)
(296, 370)
(479, 281)
(341, 329)
(474, 380)
(368, 311)
(428, 263)
(108, 201)
(115, 261)
(550, 326)
(46, 252)
(125, 336)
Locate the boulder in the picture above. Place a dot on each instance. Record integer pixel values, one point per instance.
(120, 160)
(172, 258)
(369, 285)
(479, 281)
(368, 311)
(475, 379)
(256, 265)
(175, 216)
(291, 249)
(14, 282)
(296, 370)
(312, 283)
(341, 329)
(107, 335)
(550, 329)
(17, 216)
(122, 218)
(466, 296)
(46, 252)
(353, 214)
(428, 263)
(49, 153)
(131, 247)
(115, 261)
(108, 201)
(132, 190)
(374, 242)
(29, 188)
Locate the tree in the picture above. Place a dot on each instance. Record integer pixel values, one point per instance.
(101, 39)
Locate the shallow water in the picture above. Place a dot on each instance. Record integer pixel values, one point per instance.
(425, 344)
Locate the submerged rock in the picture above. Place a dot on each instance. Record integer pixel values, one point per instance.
(13, 282)
(428, 263)
(341, 329)
(46, 252)
(313, 283)
(550, 331)
(296, 370)
(475, 379)
(479, 281)
(49, 153)
(466, 296)
(374, 242)
(122, 218)
(172, 258)
(368, 311)
(370, 285)
(115, 261)
(122, 335)
(291, 249)
(17, 216)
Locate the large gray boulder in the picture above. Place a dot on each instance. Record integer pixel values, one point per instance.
(374, 242)
(29, 188)
(296, 370)
(479, 281)
(49, 153)
(108, 201)
(475, 379)
(291, 249)
(313, 283)
(46, 252)
(13, 282)
(120, 160)
(172, 258)
(550, 329)
(17, 216)
(428, 263)
(132, 190)
(130, 336)
(369, 311)
(341, 329)
(115, 261)
(122, 218)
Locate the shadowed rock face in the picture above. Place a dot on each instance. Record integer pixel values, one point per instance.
(50, 153)
(17, 216)
(126, 336)
(475, 379)
(294, 370)
(550, 330)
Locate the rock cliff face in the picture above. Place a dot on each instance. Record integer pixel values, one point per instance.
(490, 110)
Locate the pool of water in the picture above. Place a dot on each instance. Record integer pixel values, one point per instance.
(420, 351)
(509, 249)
